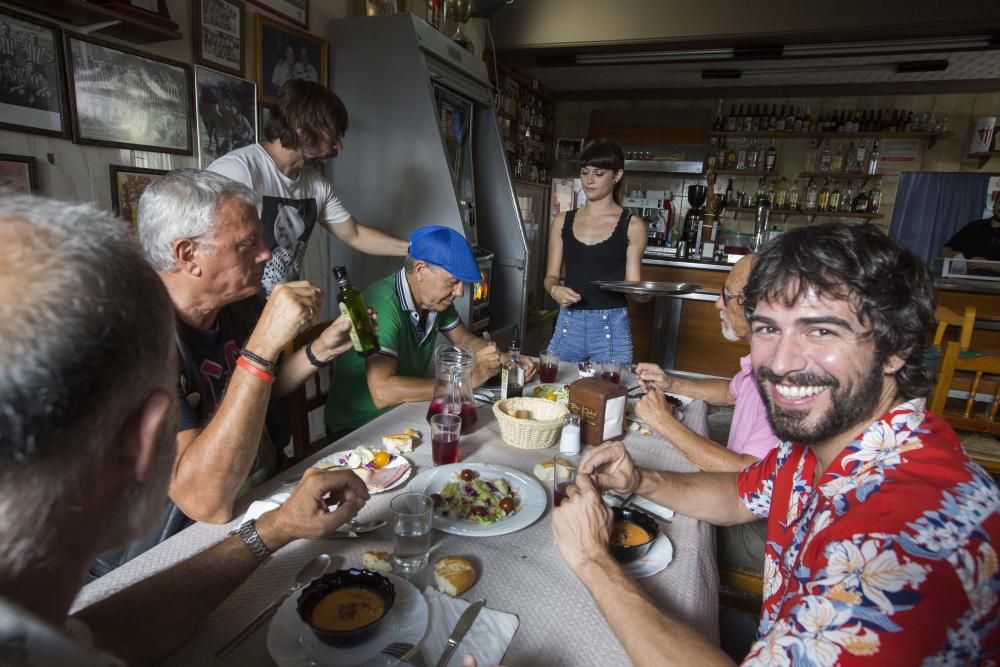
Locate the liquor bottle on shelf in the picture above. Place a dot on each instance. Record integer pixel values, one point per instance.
(753, 155)
(748, 119)
(352, 304)
(833, 202)
(758, 117)
(837, 164)
(856, 123)
(779, 122)
(825, 156)
(875, 197)
(771, 157)
(713, 154)
(761, 192)
(873, 157)
(847, 198)
(793, 196)
(812, 196)
(729, 194)
(772, 120)
(860, 157)
(718, 124)
(811, 155)
(861, 201)
(780, 199)
(823, 198)
(908, 124)
(731, 119)
(797, 123)
(731, 157)
(790, 119)
(741, 154)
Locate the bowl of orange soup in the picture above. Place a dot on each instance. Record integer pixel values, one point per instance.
(632, 534)
(345, 607)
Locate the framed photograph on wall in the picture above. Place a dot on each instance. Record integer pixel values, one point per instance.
(127, 185)
(219, 34)
(293, 11)
(379, 7)
(32, 82)
(568, 149)
(18, 174)
(284, 53)
(227, 113)
(129, 99)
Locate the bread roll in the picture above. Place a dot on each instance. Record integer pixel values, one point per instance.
(398, 444)
(543, 470)
(377, 561)
(454, 575)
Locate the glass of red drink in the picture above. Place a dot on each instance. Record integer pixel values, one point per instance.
(446, 429)
(611, 371)
(549, 366)
(563, 474)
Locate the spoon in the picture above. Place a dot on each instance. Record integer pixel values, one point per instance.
(310, 571)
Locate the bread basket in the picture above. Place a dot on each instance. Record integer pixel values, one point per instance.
(537, 433)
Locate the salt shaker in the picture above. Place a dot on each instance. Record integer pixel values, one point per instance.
(569, 442)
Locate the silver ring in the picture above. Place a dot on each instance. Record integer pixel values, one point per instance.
(311, 313)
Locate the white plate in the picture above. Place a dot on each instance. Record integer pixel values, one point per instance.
(292, 644)
(532, 500)
(400, 460)
(656, 559)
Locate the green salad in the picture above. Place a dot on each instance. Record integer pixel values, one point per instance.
(477, 500)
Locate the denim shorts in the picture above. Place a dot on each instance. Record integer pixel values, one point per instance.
(593, 335)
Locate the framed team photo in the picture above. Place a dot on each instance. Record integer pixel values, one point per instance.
(127, 185)
(129, 99)
(293, 11)
(284, 53)
(219, 34)
(227, 113)
(32, 82)
(18, 174)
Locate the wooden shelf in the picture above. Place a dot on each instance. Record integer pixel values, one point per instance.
(122, 26)
(838, 175)
(983, 157)
(745, 172)
(808, 214)
(932, 137)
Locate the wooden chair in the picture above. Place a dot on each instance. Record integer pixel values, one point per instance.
(749, 588)
(966, 374)
(307, 398)
(945, 318)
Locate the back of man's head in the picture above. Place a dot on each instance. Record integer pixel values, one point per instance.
(86, 329)
(309, 107)
(182, 205)
(891, 291)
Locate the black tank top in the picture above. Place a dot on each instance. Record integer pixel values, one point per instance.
(601, 261)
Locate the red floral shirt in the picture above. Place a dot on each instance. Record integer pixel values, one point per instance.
(891, 558)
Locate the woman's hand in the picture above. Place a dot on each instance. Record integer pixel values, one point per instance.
(564, 296)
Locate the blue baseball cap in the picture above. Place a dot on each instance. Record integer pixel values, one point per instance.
(445, 248)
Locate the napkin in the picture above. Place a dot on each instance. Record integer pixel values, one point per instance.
(259, 507)
(664, 513)
(487, 639)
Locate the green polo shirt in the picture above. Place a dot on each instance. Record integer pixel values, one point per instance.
(401, 335)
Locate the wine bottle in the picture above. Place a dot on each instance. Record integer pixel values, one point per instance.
(352, 304)
(512, 375)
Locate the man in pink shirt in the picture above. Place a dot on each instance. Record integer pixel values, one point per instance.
(750, 435)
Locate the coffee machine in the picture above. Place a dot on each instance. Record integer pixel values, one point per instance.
(655, 207)
(689, 245)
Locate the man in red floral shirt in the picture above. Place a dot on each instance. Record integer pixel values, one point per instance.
(882, 535)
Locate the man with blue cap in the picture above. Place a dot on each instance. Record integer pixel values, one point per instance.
(413, 306)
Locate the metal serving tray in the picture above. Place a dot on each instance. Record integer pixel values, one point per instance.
(650, 287)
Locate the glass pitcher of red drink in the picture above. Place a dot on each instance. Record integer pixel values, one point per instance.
(453, 384)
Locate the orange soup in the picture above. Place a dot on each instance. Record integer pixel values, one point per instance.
(625, 534)
(347, 609)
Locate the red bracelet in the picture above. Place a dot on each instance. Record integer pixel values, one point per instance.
(253, 370)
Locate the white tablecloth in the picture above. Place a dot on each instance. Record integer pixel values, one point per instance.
(521, 572)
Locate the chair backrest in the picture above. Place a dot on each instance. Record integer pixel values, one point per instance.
(968, 417)
(310, 396)
(947, 317)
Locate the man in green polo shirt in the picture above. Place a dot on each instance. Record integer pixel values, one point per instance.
(412, 306)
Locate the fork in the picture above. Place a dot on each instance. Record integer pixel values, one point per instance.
(404, 652)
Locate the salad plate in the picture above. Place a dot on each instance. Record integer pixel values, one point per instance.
(531, 498)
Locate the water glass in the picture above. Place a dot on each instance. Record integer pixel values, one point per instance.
(446, 430)
(411, 515)
(548, 366)
(611, 371)
(563, 474)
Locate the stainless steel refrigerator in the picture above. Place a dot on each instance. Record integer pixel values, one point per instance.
(424, 148)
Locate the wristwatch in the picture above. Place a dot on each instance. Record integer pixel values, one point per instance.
(248, 533)
(312, 358)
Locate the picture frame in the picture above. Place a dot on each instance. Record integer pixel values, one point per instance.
(285, 53)
(32, 76)
(227, 113)
(568, 148)
(293, 11)
(127, 185)
(18, 174)
(379, 7)
(128, 99)
(219, 34)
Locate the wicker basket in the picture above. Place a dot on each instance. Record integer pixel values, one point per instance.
(537, 433)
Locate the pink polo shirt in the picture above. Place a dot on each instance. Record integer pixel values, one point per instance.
(750, 432)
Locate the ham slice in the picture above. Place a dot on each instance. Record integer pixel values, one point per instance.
(380, 480)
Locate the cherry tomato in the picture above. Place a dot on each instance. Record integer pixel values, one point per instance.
(507, 505)
(467, 475)
(479, 511)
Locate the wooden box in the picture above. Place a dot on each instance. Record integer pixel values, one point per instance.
(601, 407)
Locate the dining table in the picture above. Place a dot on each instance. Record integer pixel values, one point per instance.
(520, 572)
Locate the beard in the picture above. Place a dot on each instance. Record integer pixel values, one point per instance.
(848, 406)
(728, 332)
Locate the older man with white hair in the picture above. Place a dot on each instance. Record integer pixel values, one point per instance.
(87, 428)
(200, 232)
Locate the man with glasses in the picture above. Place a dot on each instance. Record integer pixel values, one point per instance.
(306, 127)
(750, 434)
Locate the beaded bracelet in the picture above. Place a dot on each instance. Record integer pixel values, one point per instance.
(268, 366)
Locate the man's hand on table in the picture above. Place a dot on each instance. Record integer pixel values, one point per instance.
(305, 513)
(611, 467)
(581, 525)
(656, 412)
(650, 376)
(486, 364)
(292, 307)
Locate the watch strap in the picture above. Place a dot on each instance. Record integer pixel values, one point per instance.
(248, 533)
(312, 358)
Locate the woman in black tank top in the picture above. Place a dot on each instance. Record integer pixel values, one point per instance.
(600, 241)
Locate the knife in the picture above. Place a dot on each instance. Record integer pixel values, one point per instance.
(465, 622)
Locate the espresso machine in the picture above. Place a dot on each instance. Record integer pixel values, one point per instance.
(689, 245)
(655, 207)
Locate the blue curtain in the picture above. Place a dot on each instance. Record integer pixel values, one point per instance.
(931, 206)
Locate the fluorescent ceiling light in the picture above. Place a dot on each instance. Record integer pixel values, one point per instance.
(653, 56)
(900, 46)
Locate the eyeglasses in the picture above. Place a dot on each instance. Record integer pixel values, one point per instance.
(726, 296)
